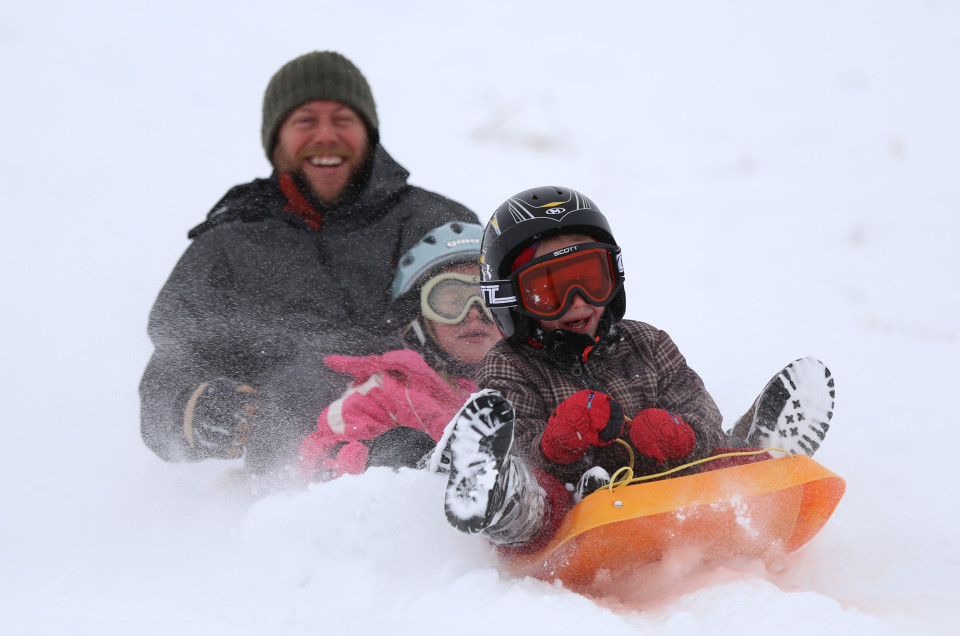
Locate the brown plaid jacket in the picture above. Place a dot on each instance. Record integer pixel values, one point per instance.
(644, 369)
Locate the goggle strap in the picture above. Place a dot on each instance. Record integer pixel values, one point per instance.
(569, 251)
(499, 293)
(418, 330)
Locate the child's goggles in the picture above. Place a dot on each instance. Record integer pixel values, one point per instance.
(447, 298)
(544, 288)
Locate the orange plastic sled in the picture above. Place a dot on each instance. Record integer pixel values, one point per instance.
(759, 509)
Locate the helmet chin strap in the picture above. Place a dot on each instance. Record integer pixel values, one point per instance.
(418, 330)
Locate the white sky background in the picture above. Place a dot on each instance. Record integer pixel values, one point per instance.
(784, 182)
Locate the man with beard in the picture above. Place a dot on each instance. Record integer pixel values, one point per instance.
(283, 272)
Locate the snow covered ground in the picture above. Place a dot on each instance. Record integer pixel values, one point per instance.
(784, 177)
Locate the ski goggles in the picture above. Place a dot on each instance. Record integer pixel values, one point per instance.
(447, 298)
(545, 287)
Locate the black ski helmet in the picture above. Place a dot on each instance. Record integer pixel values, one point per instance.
(530, 216)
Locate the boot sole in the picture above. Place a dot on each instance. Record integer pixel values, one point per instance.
(795, 408)
(479, 448)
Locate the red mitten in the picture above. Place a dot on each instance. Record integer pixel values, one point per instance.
(661, 435)
(586, 418)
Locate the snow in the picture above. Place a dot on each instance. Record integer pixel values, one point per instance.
(783, 177)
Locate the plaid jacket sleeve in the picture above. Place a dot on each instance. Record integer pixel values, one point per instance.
(680, 390)
(520, 380)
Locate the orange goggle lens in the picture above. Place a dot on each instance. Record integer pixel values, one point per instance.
(546, 289)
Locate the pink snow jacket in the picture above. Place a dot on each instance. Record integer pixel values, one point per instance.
(397, 388)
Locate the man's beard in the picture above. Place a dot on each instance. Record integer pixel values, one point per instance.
(354, 186)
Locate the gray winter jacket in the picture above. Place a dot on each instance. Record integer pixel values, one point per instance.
(261, 296)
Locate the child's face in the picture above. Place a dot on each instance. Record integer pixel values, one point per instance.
(582, 317)
(470, 340)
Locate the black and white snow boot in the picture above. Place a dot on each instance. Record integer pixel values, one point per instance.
(480, 439)
(793, 411)
(591, 481)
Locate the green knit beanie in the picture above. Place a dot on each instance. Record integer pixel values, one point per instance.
(316, 75)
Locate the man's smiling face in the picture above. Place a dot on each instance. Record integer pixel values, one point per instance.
(326, 142)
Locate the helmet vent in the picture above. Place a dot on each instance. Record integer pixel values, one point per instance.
(456, 228)
(430, 240)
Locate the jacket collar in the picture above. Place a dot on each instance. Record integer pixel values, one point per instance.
(565, 349)
(262, 198)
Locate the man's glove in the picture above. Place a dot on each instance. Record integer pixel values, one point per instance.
(661, 435)
(586, 418)
(218, 420)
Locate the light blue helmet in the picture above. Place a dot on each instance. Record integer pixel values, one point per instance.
(446, 245)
